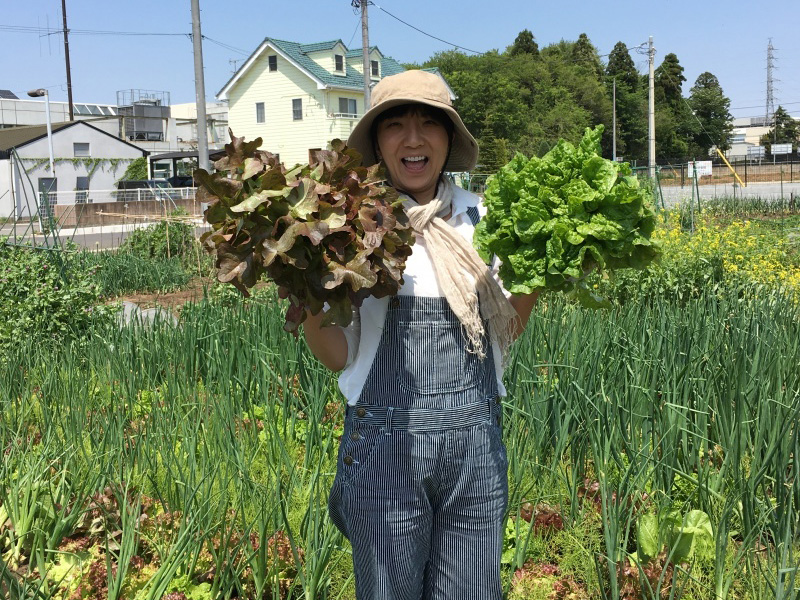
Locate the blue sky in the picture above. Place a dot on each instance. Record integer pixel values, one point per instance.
(729, 39)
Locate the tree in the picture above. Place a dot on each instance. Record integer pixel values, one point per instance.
(712, 109)
(676, 126)
(668, 81)
(631, 103)
(525, 44)
(620, 67)
(585, 55)
(785, 130)
(494, 150)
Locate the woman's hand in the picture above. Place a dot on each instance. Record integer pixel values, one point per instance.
(328, 344)
(523, 304)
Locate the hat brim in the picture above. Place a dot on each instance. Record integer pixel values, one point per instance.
(463, 152)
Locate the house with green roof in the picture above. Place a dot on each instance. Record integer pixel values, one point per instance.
(298, 97)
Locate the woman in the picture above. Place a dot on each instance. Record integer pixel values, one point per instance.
(421, 484)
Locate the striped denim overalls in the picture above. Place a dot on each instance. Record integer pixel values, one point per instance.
(421, 484)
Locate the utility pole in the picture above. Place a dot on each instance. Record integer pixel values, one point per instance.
(199, 89)
(365, 51)
(651, 114)
(614, 122)
(66, 57)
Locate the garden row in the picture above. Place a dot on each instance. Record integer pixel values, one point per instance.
(651, 446)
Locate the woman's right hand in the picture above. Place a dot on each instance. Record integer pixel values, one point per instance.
(328, 344)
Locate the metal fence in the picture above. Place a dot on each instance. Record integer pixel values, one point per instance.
(100, 196)
(749, 171)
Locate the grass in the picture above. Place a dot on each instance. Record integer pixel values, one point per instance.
(223, 431)
(151, 461)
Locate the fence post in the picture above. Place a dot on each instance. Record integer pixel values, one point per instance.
(745, 172)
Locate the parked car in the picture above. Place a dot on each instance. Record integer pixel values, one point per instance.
(151, 189)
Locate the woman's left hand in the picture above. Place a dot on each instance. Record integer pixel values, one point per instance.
(523, 304)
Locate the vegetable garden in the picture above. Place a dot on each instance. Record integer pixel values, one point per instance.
(651, 445)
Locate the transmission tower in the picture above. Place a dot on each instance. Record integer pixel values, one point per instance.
(770, 95)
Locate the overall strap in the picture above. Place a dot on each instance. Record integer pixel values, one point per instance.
(474, 215)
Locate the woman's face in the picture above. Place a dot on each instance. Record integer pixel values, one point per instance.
(414, 148)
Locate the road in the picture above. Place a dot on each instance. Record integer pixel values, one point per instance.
(772, 191)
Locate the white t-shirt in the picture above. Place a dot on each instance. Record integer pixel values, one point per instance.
(364, 333)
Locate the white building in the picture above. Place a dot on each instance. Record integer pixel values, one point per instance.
(85, 158)
(185, 116)
(746, 137)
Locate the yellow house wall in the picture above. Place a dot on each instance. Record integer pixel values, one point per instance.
(355, 62)
(281, 134)
(326, 60)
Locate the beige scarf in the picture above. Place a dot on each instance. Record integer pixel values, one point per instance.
(462, 274)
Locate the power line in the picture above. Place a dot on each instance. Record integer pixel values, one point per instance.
(226, 46)
(358, 24)
(760, 106)
(424, 32)
(53, 31)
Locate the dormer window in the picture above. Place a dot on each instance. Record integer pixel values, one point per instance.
(339, 62)
(374, 69)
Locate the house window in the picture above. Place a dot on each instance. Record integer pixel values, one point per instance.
(259, 112)
(81, 189)
(347, 106)
(312, 155)
(339, 59)
(297, 109)
(374, 68)
(80, 149)
(273, 62)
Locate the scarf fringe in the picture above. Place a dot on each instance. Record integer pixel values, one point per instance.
(473, 294)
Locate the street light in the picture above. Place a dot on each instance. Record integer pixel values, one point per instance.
(38, 94)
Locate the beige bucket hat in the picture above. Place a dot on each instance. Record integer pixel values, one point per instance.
(420, 87)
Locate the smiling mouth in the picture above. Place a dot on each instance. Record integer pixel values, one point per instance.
(415, 163)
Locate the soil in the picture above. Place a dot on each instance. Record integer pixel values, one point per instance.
(172, 300)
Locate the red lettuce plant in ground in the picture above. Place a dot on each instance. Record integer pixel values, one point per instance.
(330, 232)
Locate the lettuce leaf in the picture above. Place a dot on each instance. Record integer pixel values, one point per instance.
(555, 219)
(330, 232)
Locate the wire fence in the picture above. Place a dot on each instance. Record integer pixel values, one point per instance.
(749, 171)
(103, 220)
(677, 173)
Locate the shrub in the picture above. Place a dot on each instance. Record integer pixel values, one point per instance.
(735, 257)
(45, 295)
(137, 169)
(162, 240)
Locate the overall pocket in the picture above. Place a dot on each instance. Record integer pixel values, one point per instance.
(434, 359)
(357, 450)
